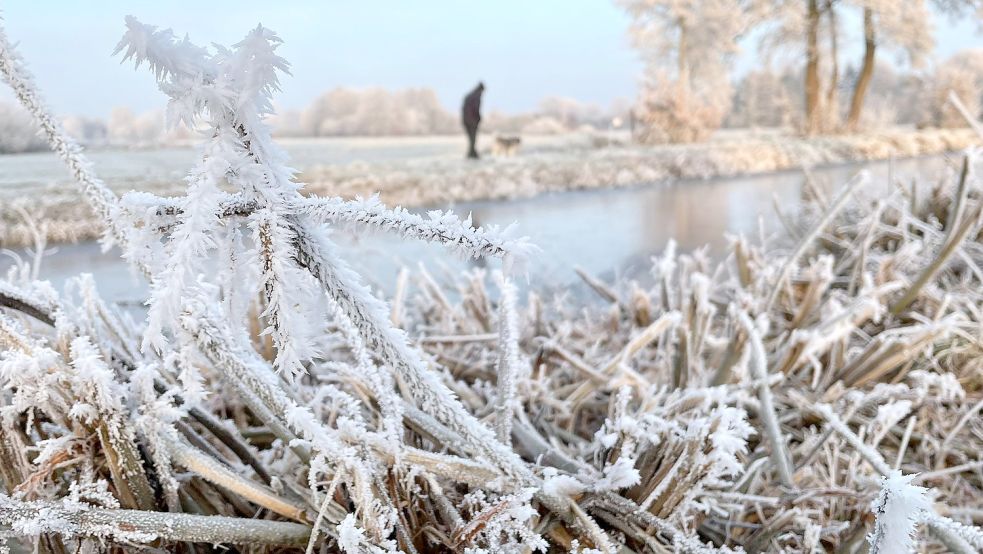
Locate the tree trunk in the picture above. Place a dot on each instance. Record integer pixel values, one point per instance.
(834, 79)
(812, 68)
(866, 71)
(683, 54)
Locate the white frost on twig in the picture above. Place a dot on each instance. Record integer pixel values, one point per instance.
(898, 507)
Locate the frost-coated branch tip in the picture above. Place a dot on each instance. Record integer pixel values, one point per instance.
(899, 507)
(441, 227)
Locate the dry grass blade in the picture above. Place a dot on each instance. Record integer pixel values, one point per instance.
(806, 241)
(213, 471)
(768, 416)
(958, 232)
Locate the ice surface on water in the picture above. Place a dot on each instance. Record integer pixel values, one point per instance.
(607, 232)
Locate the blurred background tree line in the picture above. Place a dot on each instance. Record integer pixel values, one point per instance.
(823, 66)
(689, 48)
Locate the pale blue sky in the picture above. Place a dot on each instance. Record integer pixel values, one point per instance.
(524, 50)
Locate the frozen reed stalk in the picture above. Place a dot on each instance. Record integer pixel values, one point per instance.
(286, 317)
(508, 359)
(899, 507)
(370, 317)
(964, 111)
(865, 451)
(377, 380)
(132, 526)
(806, 241)
(958, 537)
(207, 468)
(439, 227)
(950, 535)
(959, 229)
(759, 371)
(251, 77)
(243, 368)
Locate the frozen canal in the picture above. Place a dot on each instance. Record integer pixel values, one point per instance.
(606, 232)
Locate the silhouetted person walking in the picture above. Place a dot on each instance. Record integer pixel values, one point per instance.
(471, 117)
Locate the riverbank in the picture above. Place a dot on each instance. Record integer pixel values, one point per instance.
(440, 182)
(437, 177)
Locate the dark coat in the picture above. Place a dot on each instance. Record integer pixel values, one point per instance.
(471, 110)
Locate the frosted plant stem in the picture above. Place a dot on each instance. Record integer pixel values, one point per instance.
(508, 361)
(959, 231)
(964, 538)
(210, 470)
(944, 533)
(231, 440)
(369, 316)
(769, 418)
(619, 361)
(944, 447)
(625, 508)
(952, 541)
(871, 456)
(964, 111)
(259, 379)
(807, 240)
(33, 518)
(898, 509)
(442, 228)
(322, 513)
(262, 412)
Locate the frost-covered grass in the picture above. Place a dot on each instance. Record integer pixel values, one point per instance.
(816, 397)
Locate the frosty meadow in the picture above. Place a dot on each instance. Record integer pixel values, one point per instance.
(822, 396)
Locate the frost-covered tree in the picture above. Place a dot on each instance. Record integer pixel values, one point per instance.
(17, 131)
(686, 47)
(795, 29)
(376, 112)
(128, 129)
(87, 130)
(902, 26)
(961, 74)
(761, 99)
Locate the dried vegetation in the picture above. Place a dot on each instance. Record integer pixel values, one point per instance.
(782, 399)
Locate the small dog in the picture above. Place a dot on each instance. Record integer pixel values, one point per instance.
(506, 145)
